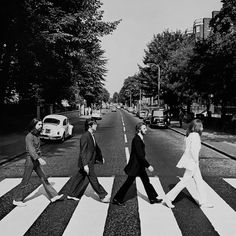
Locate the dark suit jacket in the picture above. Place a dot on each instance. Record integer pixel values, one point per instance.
(137, 162)
(89, 153)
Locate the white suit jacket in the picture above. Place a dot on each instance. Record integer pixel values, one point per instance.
(190, 157)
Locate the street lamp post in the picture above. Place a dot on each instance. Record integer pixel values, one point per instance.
(140, 99)
(130, 98)
(159, 84)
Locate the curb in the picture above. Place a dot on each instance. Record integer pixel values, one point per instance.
(207, 145)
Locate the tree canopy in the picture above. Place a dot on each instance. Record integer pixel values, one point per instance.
(53, 46)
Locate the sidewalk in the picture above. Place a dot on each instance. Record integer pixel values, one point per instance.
(219, 141)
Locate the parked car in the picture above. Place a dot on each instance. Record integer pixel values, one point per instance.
(142, 113)
(202, 114)
(147, 118)
(159, 118)
(96, 115)
(56, 127)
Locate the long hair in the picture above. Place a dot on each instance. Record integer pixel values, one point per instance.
(32, 124)
(194, 126)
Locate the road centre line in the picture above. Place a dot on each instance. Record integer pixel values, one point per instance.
(125, 138)
(124, 128)
(127, 154)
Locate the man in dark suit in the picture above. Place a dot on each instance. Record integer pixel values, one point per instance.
(136, 167)
(90, 154)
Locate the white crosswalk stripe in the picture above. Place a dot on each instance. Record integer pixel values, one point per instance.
(221, 216)
(90, 210)
(18, 221)
(230, 181)
(7, 184)
(153, 218)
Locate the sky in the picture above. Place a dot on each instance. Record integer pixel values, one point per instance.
(141, 20)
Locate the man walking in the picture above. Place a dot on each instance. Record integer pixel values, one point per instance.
(136, 168)
(90, 154)
(34, 161)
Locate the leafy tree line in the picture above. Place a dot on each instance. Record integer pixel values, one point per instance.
(50, 49)
(190, 69)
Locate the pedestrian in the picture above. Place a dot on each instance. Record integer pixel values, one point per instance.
(34, 161)
(181, 117)
(136, 168)
(90, 154)
(190, 162)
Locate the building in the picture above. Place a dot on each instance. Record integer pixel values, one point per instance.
(201, 27)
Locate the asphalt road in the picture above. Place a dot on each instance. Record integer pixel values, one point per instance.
(89, 217)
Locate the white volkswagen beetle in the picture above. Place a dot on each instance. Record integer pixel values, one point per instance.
(56, 127)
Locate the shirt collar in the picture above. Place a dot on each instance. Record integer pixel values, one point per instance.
(140, 135)
(90, 131)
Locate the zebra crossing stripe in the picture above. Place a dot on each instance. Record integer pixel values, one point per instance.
(90, 215)
(154, 218)
(17, 222)
(221, 216)
(230, 181)
(7, 184)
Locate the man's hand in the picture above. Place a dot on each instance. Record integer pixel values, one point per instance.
(150, 168)
(42, 161)
(86, 169)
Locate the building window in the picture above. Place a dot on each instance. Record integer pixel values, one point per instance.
(198, 29)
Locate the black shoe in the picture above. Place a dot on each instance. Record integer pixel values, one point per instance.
(155, 200)
(116, 202)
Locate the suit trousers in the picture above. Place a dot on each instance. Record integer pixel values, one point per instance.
(31, 165)
(187, 177)
(81, 180)
(151, 192)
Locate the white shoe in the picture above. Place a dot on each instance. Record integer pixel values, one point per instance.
(19, 203)
(206, 205)
(168, 203)
(73, 198)
(56, 198)
(106, 199)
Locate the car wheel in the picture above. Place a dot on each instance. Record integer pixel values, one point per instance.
(63, 138)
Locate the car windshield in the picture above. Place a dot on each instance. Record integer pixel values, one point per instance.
(52, 121)
(158, 113)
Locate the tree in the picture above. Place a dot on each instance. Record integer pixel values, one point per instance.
(115, 97)
(52, 44)
(130, 90)
(159, 53)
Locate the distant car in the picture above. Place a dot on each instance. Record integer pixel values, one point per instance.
(96, 115)
(113, 109)
(56, 127)
(159, 118)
